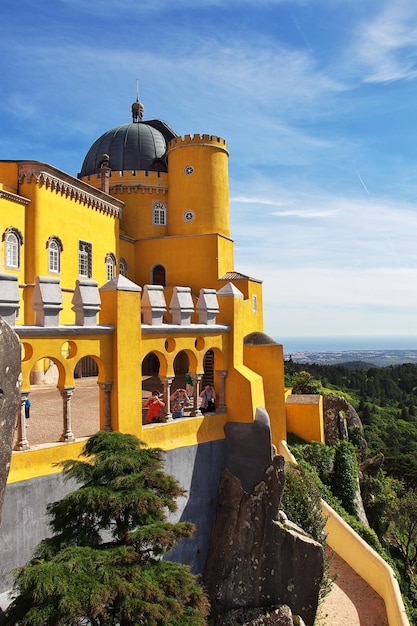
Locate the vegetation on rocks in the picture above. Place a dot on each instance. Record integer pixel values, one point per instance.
(385, 399)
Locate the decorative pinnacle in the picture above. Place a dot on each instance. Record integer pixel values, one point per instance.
(137, 107)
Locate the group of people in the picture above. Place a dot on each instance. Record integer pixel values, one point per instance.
(180, 399)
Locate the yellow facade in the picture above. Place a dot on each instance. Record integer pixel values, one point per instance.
(78, 259)
(174, 219)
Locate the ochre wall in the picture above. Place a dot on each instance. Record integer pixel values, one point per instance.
(205, 191)
(305, 417)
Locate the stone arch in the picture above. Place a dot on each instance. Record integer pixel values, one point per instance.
(154, 366)
(45, 424)
(154, 371)
(88, 398)
(213, 364)
(87, 366)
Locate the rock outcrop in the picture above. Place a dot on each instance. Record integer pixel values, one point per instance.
(255, 559)
(339, 416)
(10, 383)
(275, 616)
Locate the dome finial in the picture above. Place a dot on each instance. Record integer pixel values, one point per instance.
(137, 107)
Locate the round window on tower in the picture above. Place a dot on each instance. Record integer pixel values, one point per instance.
(189, 216)
(188, 169)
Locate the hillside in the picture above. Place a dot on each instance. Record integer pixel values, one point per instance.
(385, 399)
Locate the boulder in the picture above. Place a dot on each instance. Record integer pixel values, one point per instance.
(272, 616)
(10, 384)
(255, 559)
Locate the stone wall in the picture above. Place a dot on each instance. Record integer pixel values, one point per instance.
(197, 468)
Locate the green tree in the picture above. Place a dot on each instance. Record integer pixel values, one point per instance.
(103, 565)
(402, 533)
(345, 482)
(303, 382)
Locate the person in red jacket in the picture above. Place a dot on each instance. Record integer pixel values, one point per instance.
(154, 405)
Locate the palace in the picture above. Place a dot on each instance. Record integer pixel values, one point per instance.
(126, 273)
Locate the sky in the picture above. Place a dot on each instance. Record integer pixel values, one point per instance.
(317, 100)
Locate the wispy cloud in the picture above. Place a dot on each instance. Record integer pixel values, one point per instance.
(315, 99)
(386, 45)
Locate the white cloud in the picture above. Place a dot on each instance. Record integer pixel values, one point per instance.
(386, 46)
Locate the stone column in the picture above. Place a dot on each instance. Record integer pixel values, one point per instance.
(22, 443)
(105, 389)
(167, 395)
(66, 393)
(197, 386)
(221, 405)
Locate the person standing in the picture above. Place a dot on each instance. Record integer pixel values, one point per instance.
(189, 387)
(179, 400)
(28, 404)
(154, 405)
(208, 397)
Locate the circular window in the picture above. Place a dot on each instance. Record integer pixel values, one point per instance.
(170, 345)
(199, 343)
(188, 169)
(189, 216)
(27, 351)
(69, 349)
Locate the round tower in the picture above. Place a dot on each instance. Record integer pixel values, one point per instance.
(198, 183)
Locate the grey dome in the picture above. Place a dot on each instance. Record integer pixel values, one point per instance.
(137, 146)
(258, 339)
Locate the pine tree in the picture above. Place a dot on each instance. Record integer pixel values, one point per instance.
(103, 564)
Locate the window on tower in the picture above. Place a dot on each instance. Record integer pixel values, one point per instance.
(159, 214)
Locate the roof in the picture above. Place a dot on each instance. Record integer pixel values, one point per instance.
(238, 276)
(135, 146)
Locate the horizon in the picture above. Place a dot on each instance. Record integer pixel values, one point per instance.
(315, 100)
(348, 343)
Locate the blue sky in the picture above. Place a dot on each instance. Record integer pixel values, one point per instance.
(317, 100)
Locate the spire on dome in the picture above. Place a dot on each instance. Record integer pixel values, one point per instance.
(137, 107)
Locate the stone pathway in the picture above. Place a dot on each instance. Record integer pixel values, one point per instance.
(351, 602)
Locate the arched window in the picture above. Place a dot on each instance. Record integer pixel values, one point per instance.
(14, 240)
(123, 267)
(110, 266)
(159, 275)
(85, 259)
(54, 247)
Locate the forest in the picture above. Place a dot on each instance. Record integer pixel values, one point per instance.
(385, 399)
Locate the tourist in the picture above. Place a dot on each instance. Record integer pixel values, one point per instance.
(208, 397)
(189, 387)
(179, 400)
(154, 405)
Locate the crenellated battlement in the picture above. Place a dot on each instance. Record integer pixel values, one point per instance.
(131, 175)
(197, 140)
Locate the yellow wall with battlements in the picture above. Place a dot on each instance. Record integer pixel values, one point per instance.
(199, 185)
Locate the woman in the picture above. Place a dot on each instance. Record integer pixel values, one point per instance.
(179, 400)
(208, 397)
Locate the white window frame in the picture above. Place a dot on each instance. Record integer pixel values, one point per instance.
(12, 250)
(54, 254)
(110, 266)
(159, 214)
(85, 250)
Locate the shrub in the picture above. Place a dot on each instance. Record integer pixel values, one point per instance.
(345, 481)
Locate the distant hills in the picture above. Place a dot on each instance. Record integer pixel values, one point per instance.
(354, 359)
